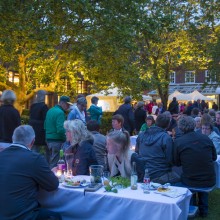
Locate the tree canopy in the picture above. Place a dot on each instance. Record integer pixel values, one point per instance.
(135, 44)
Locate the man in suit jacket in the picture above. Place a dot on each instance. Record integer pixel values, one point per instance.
(22, 172)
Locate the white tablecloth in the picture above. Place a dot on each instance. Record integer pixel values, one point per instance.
(126, 204)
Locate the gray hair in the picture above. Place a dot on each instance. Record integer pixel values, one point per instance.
(23, 134)
(127, 99)
(186, 124)
(78, 130)
(140, 104)
(122, 138)
(8, 97)
(197, 119)
(40, 96)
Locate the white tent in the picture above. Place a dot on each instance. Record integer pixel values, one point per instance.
(197, 95)
(179, 96)
(146, 98)
(108, 99)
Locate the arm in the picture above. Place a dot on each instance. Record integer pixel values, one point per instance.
(59, 125)
(44, 176)
(168, 149)
(176, 154)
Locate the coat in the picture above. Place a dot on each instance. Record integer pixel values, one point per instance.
(9, 120)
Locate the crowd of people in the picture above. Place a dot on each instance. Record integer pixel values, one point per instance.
(187, 137)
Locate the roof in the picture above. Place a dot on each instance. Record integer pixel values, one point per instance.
(186, 88)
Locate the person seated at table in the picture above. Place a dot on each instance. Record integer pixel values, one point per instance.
(206, 118)
(207, 129)
(196, 154)
(117, 123)
(149, 121)
(79, 141)
(119, 153)
(156, 147)
(22, 172)
(99, 144)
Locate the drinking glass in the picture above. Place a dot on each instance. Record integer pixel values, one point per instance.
(106, 178)
(96, 173)
(69, 163)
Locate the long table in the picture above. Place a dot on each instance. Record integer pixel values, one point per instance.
(127, 204)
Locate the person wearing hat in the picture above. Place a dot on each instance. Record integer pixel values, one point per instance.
(55, 132)
(9, 116)
(78, 111)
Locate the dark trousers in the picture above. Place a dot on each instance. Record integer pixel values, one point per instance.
(199, 199)
(45, 214)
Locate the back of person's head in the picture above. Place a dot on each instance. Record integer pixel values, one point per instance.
(168, 114)
(40, 96)
(119, 118)
(93, 125)
(127, 100)
(174, 99)
(8, 97)
(94, 99)
(81, 101)
(206, 118)
(163, 121)
(195, 111)
(139, 105)
(23, 134)
(78, 130)
(186, 124)
(212, 113)
(122, 138)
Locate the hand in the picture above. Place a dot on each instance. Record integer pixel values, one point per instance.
(54, 170)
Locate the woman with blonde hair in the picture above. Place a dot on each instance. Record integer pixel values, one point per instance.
(119, 153)
(79, 141)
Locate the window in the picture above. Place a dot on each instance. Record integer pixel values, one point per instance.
(189, 77)
(172, 77)
(210, 77)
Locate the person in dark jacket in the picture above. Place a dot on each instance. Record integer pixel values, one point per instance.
(173, 107)
(139, 116)
(22, 173)
(196, 154)
(99, 144)
(79, 141)
(155, 146)
(127, 112)
(9, 116)
(38, 113)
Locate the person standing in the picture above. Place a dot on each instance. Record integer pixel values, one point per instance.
(95, 111)
(55, 132)
(22, 172)
(78, 111)
(196, 154)
(173, 107)
(215, 106)
(9, 116)
(139, 116)
(127, 112)
(38, 113)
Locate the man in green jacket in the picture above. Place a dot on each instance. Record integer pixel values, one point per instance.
(55, 132)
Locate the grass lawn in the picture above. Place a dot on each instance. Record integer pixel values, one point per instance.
(214, 206)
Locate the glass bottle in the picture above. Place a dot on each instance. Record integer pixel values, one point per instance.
(134, 177)
(61, 165)
(147, 179)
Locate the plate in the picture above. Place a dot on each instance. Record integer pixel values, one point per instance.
(153, 186)
(72, 186)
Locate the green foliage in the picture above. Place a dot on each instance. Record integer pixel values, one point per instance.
(106, 122)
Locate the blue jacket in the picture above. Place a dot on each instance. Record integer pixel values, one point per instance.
(156, 147)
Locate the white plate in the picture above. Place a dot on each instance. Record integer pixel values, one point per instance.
(79, 186)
